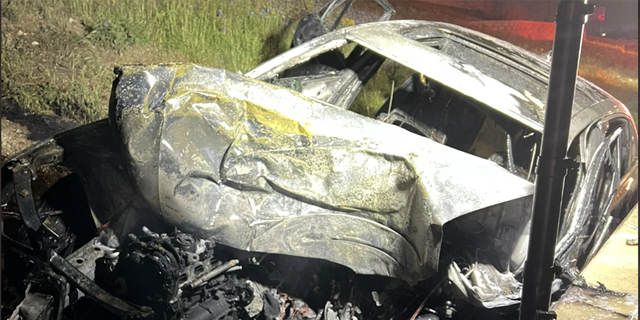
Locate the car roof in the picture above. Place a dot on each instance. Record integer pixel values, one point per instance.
(476, 79)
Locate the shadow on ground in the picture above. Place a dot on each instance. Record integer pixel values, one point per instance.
(40, 126)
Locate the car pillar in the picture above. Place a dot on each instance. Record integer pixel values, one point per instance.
(552, 162)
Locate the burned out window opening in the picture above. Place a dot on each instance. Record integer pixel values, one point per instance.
(342, 76)
(427, 108)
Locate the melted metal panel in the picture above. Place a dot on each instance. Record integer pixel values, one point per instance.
(262, 168)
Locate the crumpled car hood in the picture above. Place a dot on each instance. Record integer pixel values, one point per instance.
(262, 168)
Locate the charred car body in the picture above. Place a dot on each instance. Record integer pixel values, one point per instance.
(208, 194)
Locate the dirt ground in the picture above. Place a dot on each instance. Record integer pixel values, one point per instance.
(20, 130)
(14, 137)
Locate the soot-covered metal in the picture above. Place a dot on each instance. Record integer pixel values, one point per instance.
(212, 195)
(263, 169)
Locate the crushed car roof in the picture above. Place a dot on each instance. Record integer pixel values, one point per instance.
(262, 168)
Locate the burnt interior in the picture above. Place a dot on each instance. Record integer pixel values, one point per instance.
(441, 114)
(419, 104)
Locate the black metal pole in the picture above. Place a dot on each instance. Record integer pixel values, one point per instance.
(551, 169)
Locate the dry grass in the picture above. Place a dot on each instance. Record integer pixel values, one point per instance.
(58, 56)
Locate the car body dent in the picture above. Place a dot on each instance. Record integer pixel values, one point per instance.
(263, 168)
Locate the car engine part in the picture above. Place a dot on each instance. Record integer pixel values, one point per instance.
(179, 276)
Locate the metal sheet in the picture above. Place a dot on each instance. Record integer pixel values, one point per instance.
(396, 40)
(262, 168)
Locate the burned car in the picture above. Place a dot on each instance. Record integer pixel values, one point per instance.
(210, 194)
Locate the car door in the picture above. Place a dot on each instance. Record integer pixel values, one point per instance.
(602, 187)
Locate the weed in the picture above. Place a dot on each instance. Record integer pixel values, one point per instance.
(211, 33)
(69, 72)
(111, 35)
(8, 12)
(376, 92)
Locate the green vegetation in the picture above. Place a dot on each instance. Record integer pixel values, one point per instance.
(376, 92)
(58, 55)
(236, 35)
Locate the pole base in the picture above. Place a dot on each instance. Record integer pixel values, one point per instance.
(546, 315)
